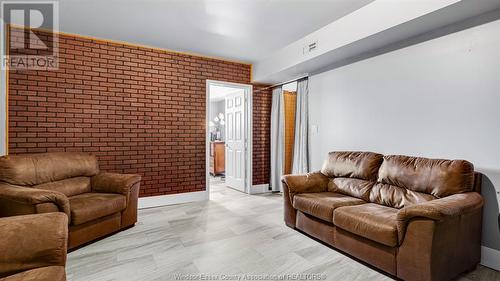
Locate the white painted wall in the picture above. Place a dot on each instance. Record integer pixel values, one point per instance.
(3, 100)
(440, 98)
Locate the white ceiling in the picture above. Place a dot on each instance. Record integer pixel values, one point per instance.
(243, 30)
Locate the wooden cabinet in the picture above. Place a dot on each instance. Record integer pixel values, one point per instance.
(217, 163)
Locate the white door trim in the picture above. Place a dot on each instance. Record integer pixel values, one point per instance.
(249, 131)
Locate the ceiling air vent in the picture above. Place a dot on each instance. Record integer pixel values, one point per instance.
(310, 47)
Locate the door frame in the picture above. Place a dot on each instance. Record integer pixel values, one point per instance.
(248, 131)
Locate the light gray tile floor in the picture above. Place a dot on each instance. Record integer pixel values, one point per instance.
(232, 234)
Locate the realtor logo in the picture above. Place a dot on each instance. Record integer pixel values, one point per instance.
(29, 35)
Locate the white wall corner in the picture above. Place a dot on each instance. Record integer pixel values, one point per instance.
(172, 199)
(260, 188)
(490, 258)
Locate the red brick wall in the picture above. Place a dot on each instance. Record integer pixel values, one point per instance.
(140, 110)
(262, 101)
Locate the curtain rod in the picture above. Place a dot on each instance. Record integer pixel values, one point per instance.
(289, 81)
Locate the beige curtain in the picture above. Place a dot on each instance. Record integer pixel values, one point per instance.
(277, 139)
(301, 145)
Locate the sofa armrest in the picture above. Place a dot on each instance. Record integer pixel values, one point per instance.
(18, 197)
(114, 183)
(310, 182)
(32, 241)
(442, 233)
(293, 184)
(441, 209)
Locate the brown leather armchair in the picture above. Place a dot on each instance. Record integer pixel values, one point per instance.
(96, 203)
(415, 218)
(33, 247)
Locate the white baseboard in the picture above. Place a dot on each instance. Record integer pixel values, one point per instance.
(259, 188)
(171, 199)
(490, 257)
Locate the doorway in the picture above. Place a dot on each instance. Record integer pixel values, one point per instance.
(229, 135)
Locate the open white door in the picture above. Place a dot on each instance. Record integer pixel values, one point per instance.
(235, 141)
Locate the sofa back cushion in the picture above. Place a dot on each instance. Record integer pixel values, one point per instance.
(436, 177)
(396, 197)
(353, 187)
(34, 169)
(349, 164)
(68, 187)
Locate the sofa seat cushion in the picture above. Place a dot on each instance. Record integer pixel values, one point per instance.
(322, 204)
(90, 206)
(49, 273)
(372, 221)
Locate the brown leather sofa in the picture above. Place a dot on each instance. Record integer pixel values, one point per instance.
(96, 203)
(414, 218)
(33, 247)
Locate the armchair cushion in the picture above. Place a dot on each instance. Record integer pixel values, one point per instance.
(90, 206)
(310, 182)
(114, 183)
(32, 241)
(33, 196)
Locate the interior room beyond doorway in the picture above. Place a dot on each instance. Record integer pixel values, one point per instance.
(228, 137)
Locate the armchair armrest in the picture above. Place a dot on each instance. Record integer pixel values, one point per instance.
(12, 196)
(32, 241)
(114, 183)
(439, 209)
(310, 182)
